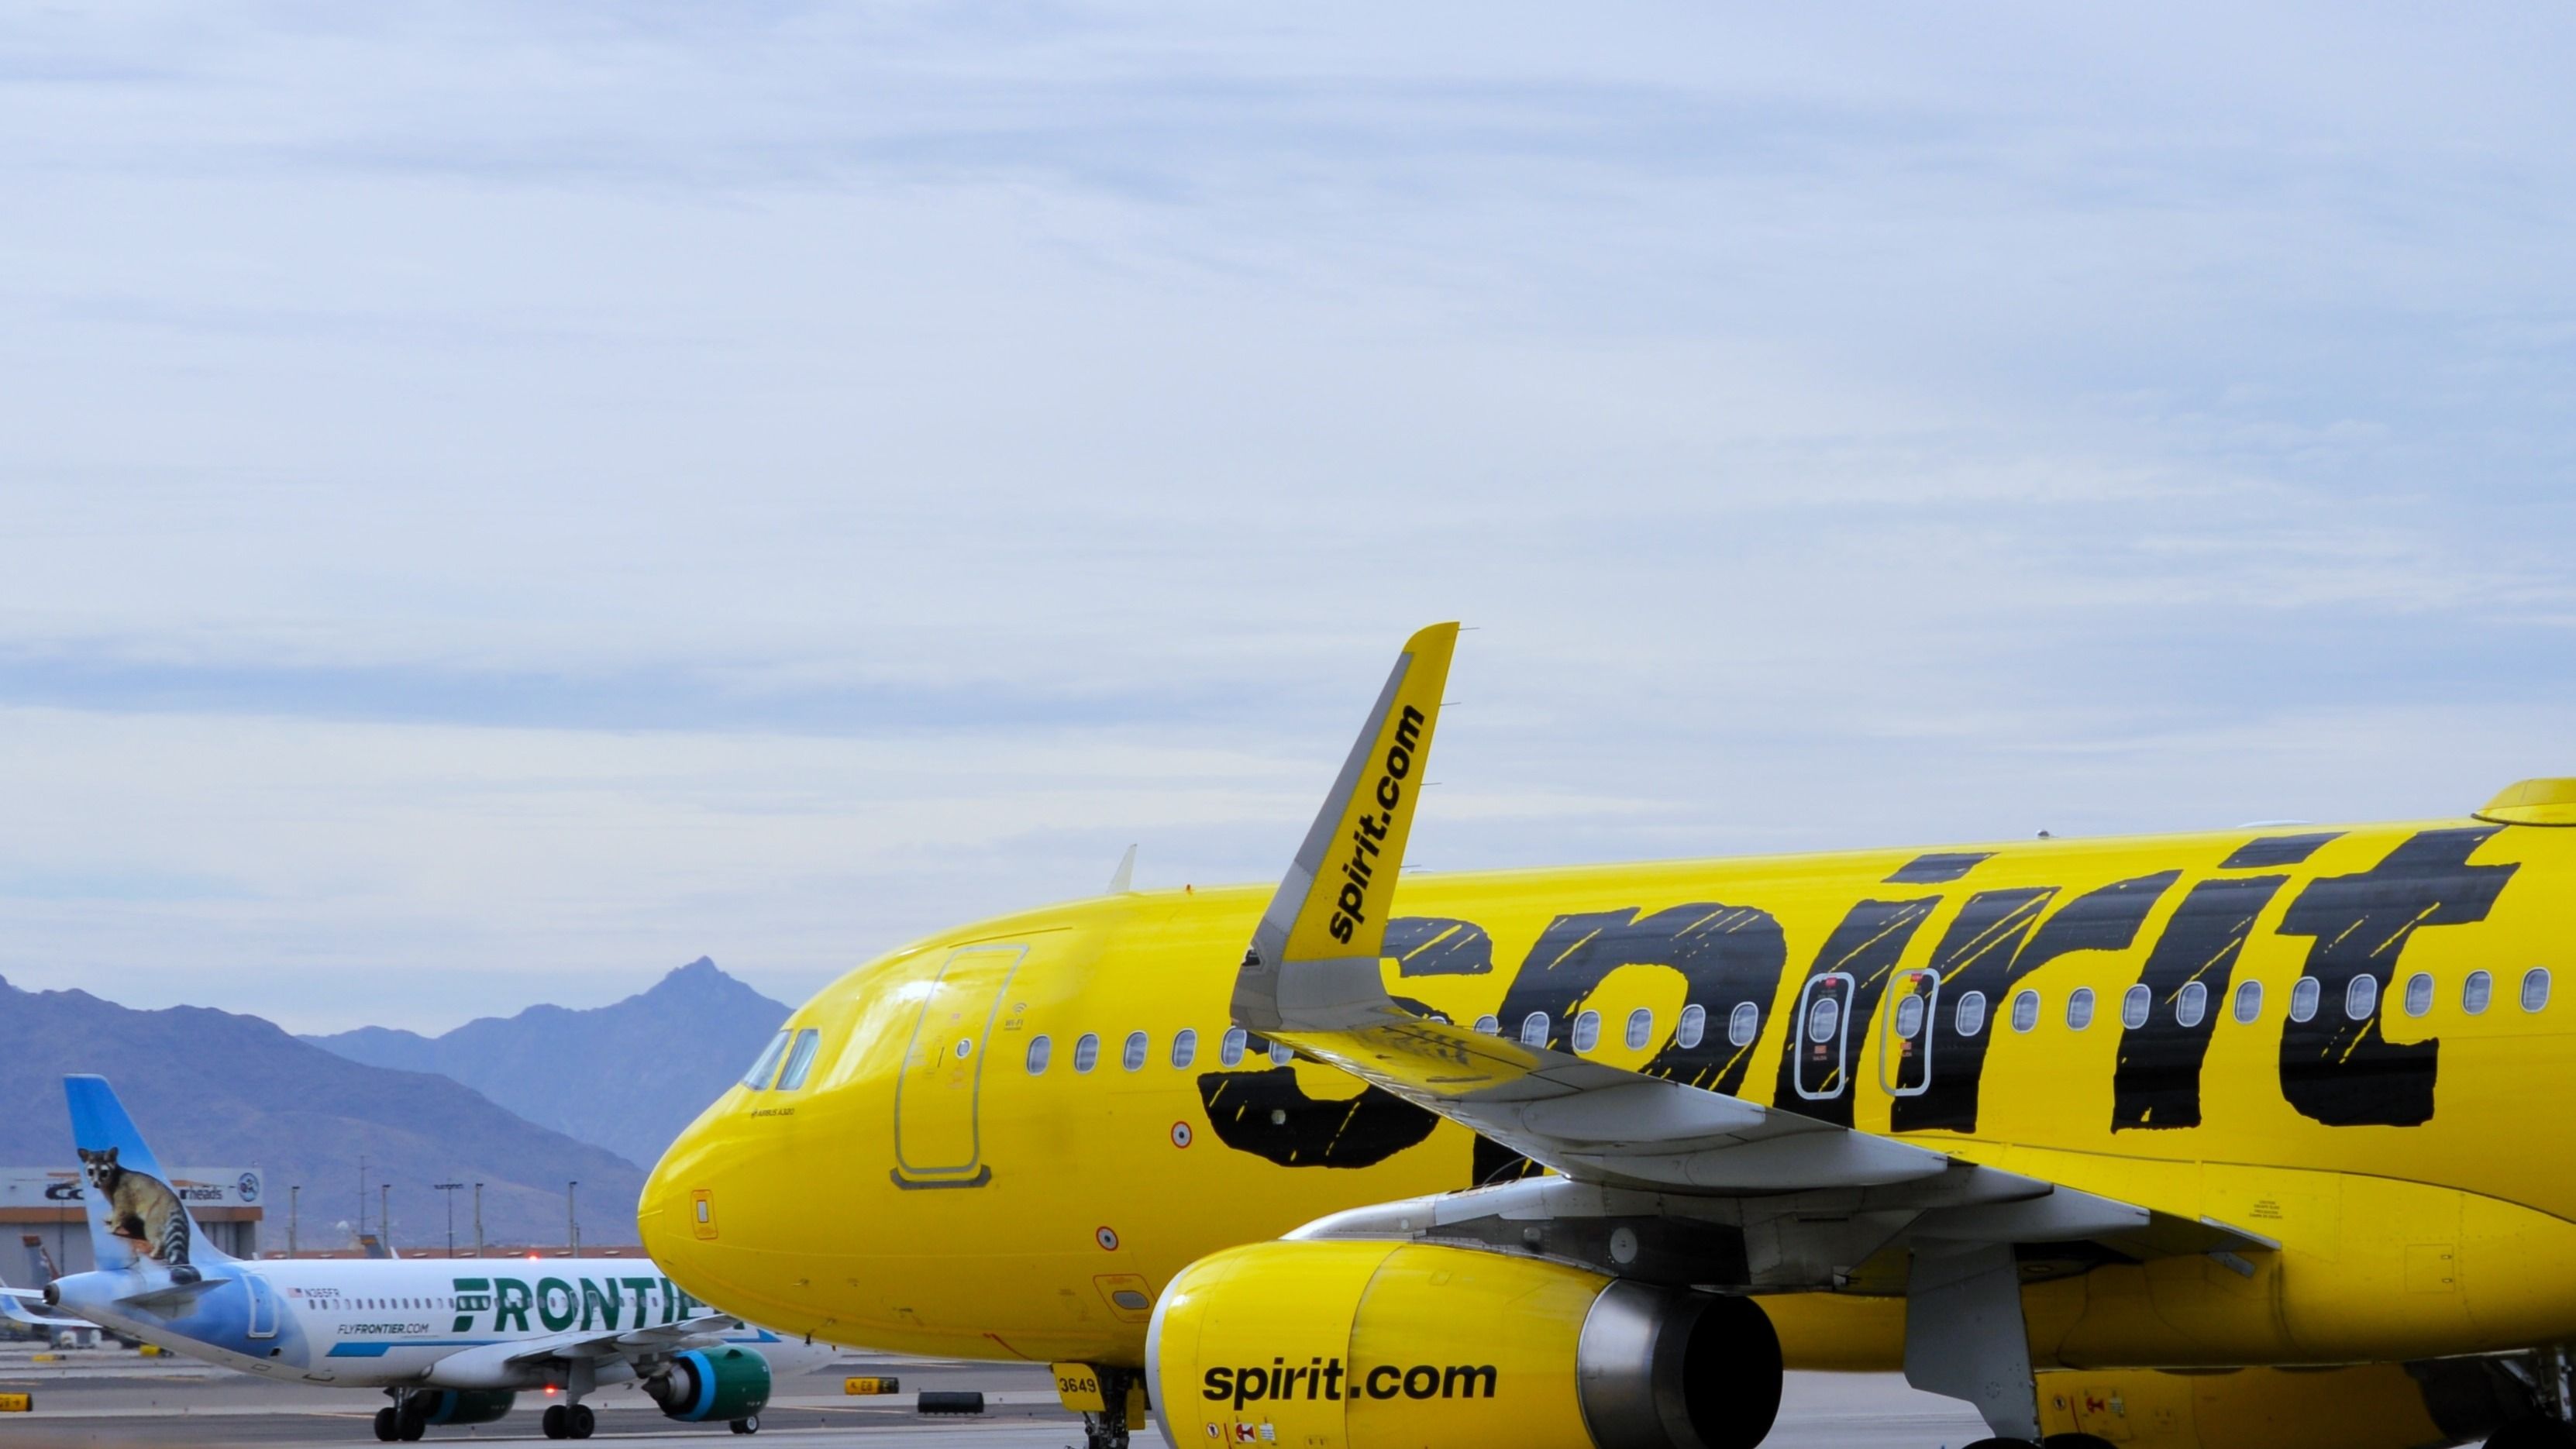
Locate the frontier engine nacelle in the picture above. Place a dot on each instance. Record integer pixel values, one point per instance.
(713, 1385)
(1376, 1344)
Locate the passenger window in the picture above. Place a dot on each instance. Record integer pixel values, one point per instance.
(1229, 1050)
(758, 1077)
(2535, 988)
(1185, 1047)
(1039, 1050)
(2134, 1005)
(1534, 1029)
(2191, 1004)
(2361, 997)
(2079, 1008)
(1691, 1026)
(2249, 1000)
(1132, 1055)
(2419, 994)
(1281, 1054)
(800, 1060)
(2303, 998)
(1490, 1025)
(1587, 1031)
(1909, 1018)
(2025, 1011)
(1822, 1018)
(2476, 992)
(1641, 1028)
(1086, 1051)
(1742, 1024)
(1971, 1017)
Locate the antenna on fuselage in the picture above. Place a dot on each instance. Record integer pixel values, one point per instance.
(1123, 879)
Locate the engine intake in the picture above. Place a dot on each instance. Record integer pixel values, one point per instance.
(1380, 1344)
(712, 1385)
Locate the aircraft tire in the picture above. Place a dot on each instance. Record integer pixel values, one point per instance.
(385, 1426)
(2075, 1441)
(553, 1422)
(2532, 1434)
(750, 1425)
(411, 1429)
(2000, 1444)
(579, 1421)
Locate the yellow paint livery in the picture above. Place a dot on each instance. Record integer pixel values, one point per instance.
(2349, 1042)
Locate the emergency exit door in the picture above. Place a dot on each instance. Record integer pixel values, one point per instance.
(1823, 1043)
(936, 1143)
(1905, 1033)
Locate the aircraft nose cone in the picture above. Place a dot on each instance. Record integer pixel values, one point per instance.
(681, 1215)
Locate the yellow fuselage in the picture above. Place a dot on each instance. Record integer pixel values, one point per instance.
(924, 1190)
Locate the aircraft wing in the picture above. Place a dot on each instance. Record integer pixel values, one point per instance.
(652, 1342)
(1801, 1200)
(13, 1306)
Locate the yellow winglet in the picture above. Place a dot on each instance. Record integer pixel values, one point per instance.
(1328, 919)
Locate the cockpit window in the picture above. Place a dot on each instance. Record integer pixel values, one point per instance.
(758, 1077)
(800, 1060)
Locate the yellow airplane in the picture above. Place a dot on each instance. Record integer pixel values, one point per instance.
(2201, 1141)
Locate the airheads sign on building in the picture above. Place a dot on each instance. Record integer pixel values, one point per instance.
(198, 1187)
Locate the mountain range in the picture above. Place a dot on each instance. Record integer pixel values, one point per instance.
(626, 1077)
(213, 1088)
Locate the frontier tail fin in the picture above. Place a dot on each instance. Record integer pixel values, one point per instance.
(136, 1216)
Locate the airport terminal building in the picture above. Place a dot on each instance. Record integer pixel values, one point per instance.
(43, 1208)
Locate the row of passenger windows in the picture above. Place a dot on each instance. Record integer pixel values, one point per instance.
(1139, 1046)
(373, 1305)
(1824, 1018)
(2190, 1005)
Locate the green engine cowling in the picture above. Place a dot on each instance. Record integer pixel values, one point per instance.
(712, 1385)
(464, 1406)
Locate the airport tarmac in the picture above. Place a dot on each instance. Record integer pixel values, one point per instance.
(110, 1397)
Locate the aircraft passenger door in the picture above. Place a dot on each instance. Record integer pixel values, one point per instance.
(1905, 1033)
(1824, 1036)
(935, 1138)
(263, 1306)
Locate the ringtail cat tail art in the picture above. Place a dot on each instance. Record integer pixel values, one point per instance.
(135, 1215)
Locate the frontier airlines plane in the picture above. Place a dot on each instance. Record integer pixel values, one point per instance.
(2249, 1138)
(450, 1341)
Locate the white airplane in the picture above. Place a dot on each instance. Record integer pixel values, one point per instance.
(451, 1341)
(16, 1312)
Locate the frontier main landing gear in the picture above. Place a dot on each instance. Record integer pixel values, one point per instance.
(406, 1418)
(568, 1421)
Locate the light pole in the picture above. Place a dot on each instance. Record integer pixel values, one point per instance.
(294, 1202)
(450, 1188)
(362, 1194)
(572, 1219)
(478, 1220)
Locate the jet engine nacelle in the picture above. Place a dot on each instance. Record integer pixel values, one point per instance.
(710, 1385)
(1382, 1344)
(463, 1406)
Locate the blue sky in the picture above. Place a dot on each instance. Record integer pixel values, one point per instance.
(496, 501)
